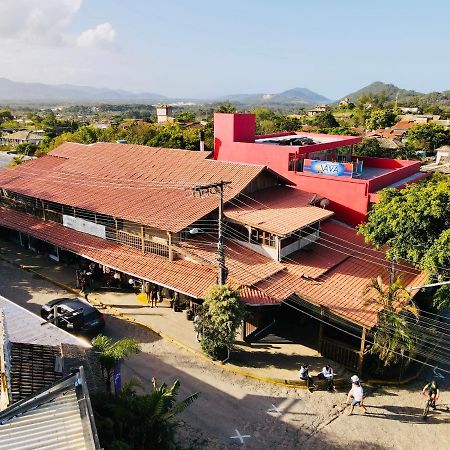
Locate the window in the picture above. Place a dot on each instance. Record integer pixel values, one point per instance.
(295, 162)
(260, 237)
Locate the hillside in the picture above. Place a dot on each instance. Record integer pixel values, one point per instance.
(405, 97)
(296, 96)
(390, 90)
(13, 91)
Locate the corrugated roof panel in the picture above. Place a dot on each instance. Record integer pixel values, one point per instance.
(56, 424)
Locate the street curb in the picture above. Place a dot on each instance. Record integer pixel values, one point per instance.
(294, 384)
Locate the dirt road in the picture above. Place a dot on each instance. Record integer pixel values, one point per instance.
(231, 407)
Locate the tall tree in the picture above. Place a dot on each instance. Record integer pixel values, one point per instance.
(221, 314)
(325, 120)
(409, 221)
(381, 118)
(428, 136)
(225, 107)
(393, 336)
(414, 223)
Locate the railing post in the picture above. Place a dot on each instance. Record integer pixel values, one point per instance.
(321, 330)
(361, 352)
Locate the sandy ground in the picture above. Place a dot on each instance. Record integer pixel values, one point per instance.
(274, 417)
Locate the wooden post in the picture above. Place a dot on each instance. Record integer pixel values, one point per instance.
(43, 209)
(117, 229)
(361, 352)
(321, 329)
(169, 243)
(142, 239)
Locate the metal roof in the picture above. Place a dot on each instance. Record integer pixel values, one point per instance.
(25, 327)
(59, 417)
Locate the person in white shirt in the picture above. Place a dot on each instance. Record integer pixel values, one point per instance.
(328, 374)
(357, 393)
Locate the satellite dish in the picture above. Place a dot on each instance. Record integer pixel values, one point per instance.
(324, 203)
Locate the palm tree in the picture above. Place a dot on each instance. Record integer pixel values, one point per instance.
(111, 353)
(159, 409)
(393, 336)
(141, 421)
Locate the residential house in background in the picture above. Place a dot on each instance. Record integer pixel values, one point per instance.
(164, 113)
(317, 110)
(22, 137)
(441, 163)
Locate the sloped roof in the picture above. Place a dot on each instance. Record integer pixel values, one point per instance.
(33, 367)
(56, 418)
(146, 185)
(331, 273)
(22, 326)
(280, 210)
(23, 135)
(183, 276)
(340, 287)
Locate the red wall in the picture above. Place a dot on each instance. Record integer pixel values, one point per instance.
(234, 140)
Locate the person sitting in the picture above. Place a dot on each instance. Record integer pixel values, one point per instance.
(328, 375)
(304, 375)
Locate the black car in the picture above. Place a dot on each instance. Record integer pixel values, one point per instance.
(75, 315)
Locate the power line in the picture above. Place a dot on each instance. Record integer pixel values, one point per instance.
(341, 239)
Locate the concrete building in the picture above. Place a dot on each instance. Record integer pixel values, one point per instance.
(164, 113)
(316, 163)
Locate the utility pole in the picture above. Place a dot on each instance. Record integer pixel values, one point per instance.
(217, 188)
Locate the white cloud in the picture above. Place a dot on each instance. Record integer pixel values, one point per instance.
(38, 22)
(103, 35)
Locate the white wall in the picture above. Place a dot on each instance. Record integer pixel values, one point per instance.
(291, 248)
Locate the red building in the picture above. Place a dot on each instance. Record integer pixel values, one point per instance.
(318, 163)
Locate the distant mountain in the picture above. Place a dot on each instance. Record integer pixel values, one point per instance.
(297, 96)
(377, 87)
(304, 94)
(13, 91)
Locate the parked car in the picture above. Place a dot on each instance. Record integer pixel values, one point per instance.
(75, 315)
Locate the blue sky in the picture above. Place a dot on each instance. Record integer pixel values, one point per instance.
(202, 48)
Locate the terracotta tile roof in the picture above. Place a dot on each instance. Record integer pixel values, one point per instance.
(189, 278)
(404, 125)
(129, 181)
(340, 288)
(254, 296)
(244, 265)
(336, 271)
(279, 210)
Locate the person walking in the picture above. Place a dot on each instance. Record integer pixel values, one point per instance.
(154, 296)
(357, 393)
(147, 290)
(303, 373)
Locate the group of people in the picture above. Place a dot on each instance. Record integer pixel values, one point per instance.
(355, 396)
(153, 292)
(326, 374)
(356, 392)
